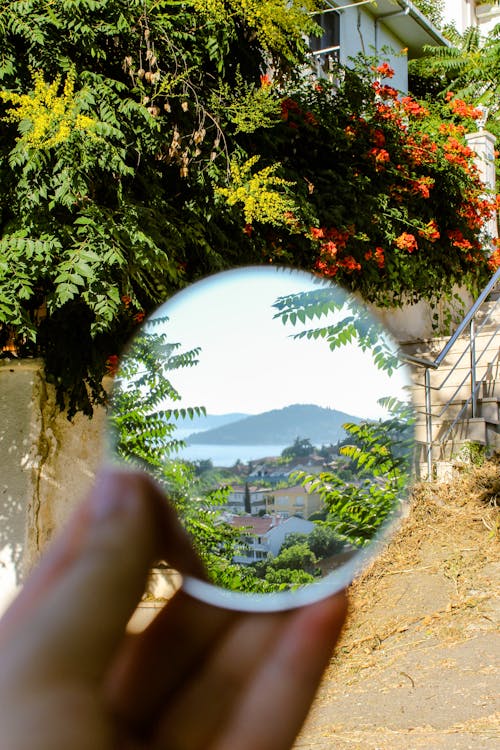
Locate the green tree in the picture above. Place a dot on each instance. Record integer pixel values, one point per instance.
(301, 448)
(467, 70)
(432, 9)
(383, 453)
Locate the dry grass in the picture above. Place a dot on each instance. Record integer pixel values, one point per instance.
(426, 580)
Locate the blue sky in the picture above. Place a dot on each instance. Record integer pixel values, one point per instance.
(249, 363)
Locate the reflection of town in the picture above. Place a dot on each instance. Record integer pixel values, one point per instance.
(267, 503)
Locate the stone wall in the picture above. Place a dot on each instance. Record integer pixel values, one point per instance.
(47, 464)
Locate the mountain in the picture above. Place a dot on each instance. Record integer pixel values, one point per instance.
(208, 422)
(279, 427)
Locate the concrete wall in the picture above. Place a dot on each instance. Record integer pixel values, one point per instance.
(47, 464)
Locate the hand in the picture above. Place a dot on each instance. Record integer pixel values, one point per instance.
(198, 677)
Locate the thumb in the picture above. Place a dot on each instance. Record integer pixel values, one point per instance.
(75, 628)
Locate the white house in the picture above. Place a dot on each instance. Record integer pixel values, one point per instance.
(372, 29)
(465, 13)
(236, 499)
(265, 536)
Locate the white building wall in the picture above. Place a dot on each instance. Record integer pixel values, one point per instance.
(460, 12)
(359, 32)
(465, 13)
(276, 536)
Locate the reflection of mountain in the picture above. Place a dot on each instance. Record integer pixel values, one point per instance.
(280, 427)
(208, 422)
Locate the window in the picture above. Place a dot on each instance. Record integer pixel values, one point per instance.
(326, 48)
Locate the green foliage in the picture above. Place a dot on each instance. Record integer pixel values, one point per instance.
(358, 324)
(142, 420)
(300, 448)
(470, 69)
(432, 9)
(383, 453)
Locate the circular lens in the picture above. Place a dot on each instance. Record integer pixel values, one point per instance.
(275, 411)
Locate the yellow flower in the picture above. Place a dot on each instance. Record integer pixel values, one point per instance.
(49, 119)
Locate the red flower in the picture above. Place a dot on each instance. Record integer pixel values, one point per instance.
(494, 260)
(330, 248)
(317, 232)
(422, 186)
(289, 106)
(431, 231)
(350, 264)
(378, 138)
(126, 300)
(265, 81)
(385, 70)
(310, 118)
(112, 363)
(139, 316)
(462, 109)
(458, 240)
(248, 229)
(381, 157)
(413, 108)
(379, 257)
(407, 242)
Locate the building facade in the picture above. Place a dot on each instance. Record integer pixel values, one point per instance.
(392, 30)
(465, 13)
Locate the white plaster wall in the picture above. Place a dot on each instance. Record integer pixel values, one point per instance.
(47, 464)
(360, 33)
(16, 388)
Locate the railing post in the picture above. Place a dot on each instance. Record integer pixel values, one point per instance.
(473, 379)
(428, 422)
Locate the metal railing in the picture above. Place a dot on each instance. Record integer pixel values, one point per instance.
(473, 323)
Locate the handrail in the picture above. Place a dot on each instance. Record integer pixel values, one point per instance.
(467, 322)
(469, 316)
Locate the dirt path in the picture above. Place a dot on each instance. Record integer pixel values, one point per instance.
(419, 663)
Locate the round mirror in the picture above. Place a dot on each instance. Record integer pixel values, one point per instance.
(275, 411)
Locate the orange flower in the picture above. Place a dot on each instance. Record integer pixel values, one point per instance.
(385, 70)
(458, 240)
(379, 257)
(378, 138)
(265, 81)
(431, 231)
(407, 242)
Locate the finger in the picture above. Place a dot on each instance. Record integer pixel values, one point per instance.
(75, 629)
(195, 714)
(278, 698)
(161, 660)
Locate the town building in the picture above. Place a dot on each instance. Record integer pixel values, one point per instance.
(265, 536)
(293, 501)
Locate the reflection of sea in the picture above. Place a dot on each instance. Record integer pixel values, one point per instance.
(227, 455)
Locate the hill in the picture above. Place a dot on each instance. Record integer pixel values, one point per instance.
(279, 427)
(207, 422)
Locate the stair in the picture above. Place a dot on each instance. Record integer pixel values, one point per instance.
(443, 376)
